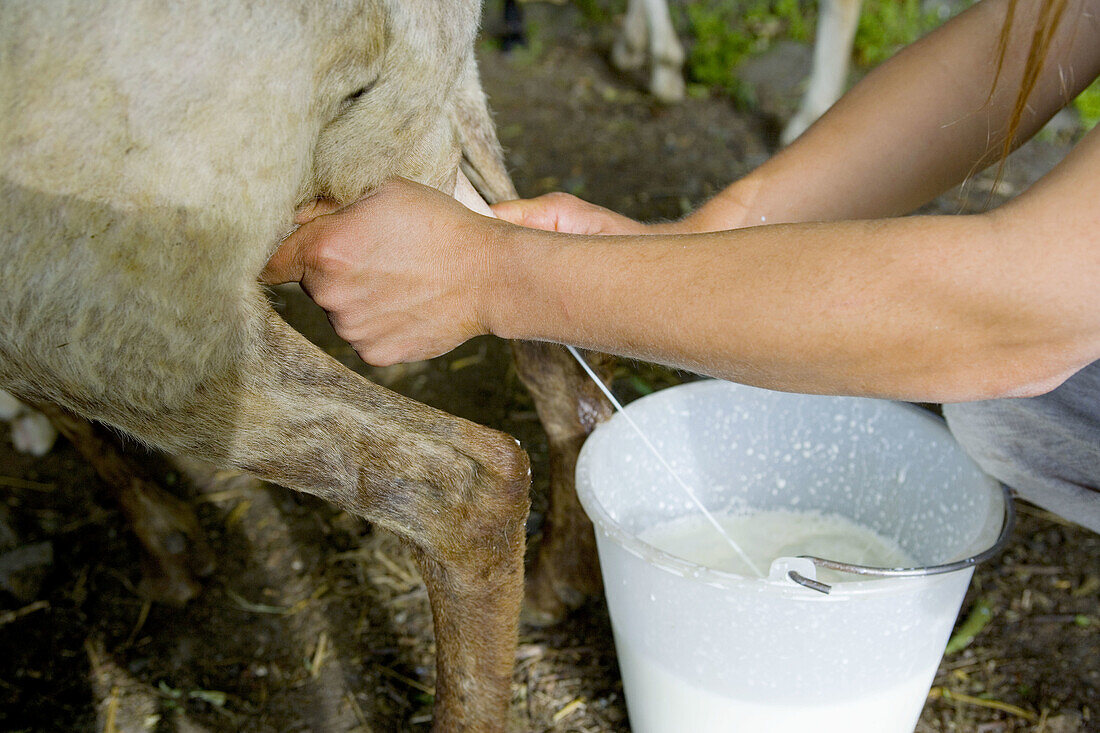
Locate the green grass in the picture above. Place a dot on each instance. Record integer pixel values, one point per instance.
(1088, 105)
(719, 46)
(721, 34)
(599, 12)
(885, 26)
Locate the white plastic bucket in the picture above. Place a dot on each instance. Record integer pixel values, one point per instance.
(704, 650)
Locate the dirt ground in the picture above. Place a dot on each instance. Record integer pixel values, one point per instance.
(312, 621)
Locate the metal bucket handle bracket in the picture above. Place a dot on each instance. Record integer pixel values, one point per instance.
(844, 567)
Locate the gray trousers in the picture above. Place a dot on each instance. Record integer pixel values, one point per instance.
(1047, 448)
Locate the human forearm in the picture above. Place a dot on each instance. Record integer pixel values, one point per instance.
(915, 126)
(867, 308)
(923, 308)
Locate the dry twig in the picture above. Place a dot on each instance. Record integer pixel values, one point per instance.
(946, 694)
(8, 616)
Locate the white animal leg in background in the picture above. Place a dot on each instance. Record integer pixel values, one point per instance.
(628, 51)
(31, 431)
(666, 81)
(650, 19)
(836, 30)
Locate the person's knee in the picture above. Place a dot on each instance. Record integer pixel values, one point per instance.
(991, 433)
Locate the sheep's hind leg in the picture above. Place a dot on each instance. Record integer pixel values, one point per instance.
(647, 28)
(455, 491)
(837, 21)
(566, 571)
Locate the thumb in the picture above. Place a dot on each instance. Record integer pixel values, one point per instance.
(526, 213)
(288, 263)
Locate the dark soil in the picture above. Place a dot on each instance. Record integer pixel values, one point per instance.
(314, 621)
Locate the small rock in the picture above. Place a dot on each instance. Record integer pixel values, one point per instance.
(1063, 126)
(777, 76)
(1071, 722)
(23, 569)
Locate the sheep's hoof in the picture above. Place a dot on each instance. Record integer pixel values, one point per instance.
(624, 57)
(542, 606)
(176, 553)
(667, 85)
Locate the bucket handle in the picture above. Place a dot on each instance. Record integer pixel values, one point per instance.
(844, 567)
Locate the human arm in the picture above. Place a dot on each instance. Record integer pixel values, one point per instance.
(918, 124)
(930, 308)
(914, 127)
(943, 308)
(920, 308)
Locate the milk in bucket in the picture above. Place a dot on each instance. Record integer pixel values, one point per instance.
(704, 647)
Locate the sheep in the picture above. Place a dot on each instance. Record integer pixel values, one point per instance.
(152, 156)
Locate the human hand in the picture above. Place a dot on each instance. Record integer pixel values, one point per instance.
(562, 212)
(398, 272)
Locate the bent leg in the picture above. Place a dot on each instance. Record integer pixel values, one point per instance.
(281, 409)
(1047, 448)
(457, 492)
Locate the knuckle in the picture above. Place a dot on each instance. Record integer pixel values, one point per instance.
(378, 354)
(327, 256)
(322, 294)
(355, 331)
(559, 197)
